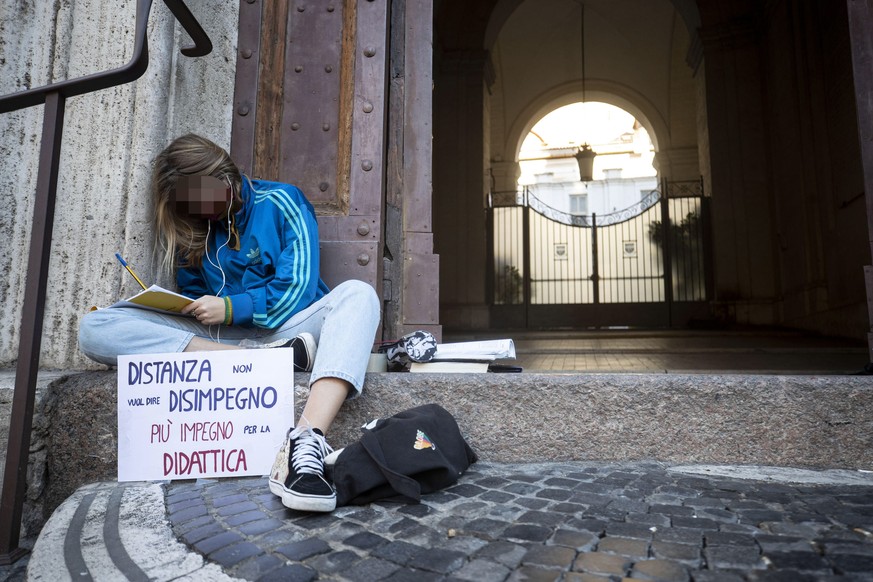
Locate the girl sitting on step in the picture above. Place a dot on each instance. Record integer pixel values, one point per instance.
(247, 252)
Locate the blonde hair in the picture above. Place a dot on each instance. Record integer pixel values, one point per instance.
(182, 238)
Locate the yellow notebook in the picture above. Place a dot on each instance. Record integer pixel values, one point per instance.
(156, 298)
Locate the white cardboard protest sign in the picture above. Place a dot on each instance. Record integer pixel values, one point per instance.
(202, 414)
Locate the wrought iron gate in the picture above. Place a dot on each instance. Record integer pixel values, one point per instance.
(645, 266)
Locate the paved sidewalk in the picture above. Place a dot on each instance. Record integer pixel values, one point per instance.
(682, 351)
(579, 521)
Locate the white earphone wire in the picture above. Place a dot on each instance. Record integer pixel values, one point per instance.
(218, 266)
(217, 258)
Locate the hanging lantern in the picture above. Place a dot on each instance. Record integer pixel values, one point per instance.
(585, 159)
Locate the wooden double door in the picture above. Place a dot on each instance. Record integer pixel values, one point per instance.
(315, 106)
(310, 110)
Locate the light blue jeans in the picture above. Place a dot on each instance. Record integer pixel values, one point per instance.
(343, 323)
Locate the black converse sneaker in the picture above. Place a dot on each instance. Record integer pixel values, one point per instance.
(304, 349)
(304, 352)
(298, 472)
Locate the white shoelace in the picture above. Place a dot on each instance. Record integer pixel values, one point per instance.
(310, 449)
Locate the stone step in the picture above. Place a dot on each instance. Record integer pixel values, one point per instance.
(793, 421)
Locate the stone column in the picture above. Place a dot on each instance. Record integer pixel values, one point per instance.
(460, 187)
(745, 284)
(860, 23)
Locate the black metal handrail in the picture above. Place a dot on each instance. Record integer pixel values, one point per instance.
(54, 97)
(134, 68)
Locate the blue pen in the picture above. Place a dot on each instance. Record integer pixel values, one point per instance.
(129, 270)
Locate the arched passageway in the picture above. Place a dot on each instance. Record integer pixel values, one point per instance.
(737, 95)
(580, 247)
(534, 64)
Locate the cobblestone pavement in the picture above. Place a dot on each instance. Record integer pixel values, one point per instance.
(567, 521)
(572, 521)
(577, 521)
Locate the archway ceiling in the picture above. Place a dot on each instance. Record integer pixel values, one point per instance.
(629, 44)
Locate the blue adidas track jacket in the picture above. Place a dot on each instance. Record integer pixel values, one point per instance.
(275, 272)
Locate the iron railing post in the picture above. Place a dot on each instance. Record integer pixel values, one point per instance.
(708, 255)
(526, 258)
(666, 250)
(595, 261)
(21, 420)
(490, 291)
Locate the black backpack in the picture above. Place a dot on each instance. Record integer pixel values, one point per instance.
(416, 451)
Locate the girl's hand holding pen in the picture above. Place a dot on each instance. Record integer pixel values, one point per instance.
(209, 310)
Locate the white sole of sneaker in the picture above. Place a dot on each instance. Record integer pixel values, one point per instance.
(276, 488)
(293, 500)
(311, 348)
